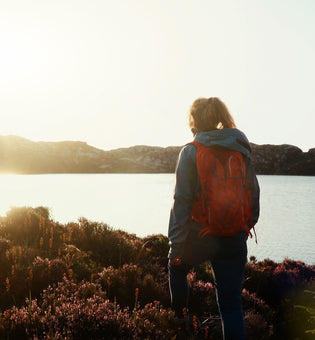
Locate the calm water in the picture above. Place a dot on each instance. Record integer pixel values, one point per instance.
(140, 204)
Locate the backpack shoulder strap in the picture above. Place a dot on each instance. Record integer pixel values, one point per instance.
(197, 144)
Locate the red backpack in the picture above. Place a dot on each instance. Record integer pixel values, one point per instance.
(223, 207)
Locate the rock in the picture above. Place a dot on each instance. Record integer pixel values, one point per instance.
(282, 160)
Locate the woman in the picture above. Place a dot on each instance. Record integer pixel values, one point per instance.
(213, 127)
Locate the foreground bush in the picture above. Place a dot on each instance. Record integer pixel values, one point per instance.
(106, 246)
(122, 282)
(81, 311)
(87, 281)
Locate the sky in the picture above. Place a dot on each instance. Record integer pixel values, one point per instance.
(118, 73)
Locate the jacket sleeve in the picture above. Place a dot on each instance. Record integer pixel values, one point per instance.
(253, 186)
(184, 195)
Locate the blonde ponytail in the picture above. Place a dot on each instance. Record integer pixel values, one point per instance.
(209, 114)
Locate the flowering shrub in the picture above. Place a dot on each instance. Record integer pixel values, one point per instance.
(256, 327)
(107, 246)
(155, 322)
(274, 281)
(290, 275)
(86, 280)
(80, 311)
(33, 228)
(258, 315)
(120, 283)
(45, 272)
(4, 245)
(80, 264)
(258, 279)
(154, 249)
(202, 296)
(254, 305)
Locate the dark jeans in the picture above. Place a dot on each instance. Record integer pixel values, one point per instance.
(227, 257)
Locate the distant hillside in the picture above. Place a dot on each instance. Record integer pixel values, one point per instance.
(20, 155)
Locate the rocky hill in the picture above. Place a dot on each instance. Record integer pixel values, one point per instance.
(19, 155)
(283, 160)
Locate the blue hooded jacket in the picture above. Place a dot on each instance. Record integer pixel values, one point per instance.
(188, 185)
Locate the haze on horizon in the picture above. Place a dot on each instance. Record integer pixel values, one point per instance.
(118, 73)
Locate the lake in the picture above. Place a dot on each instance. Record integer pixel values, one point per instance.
(140, 204)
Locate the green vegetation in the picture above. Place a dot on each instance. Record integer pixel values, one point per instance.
(87, 281)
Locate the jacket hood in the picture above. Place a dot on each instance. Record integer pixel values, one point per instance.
(233, 139)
